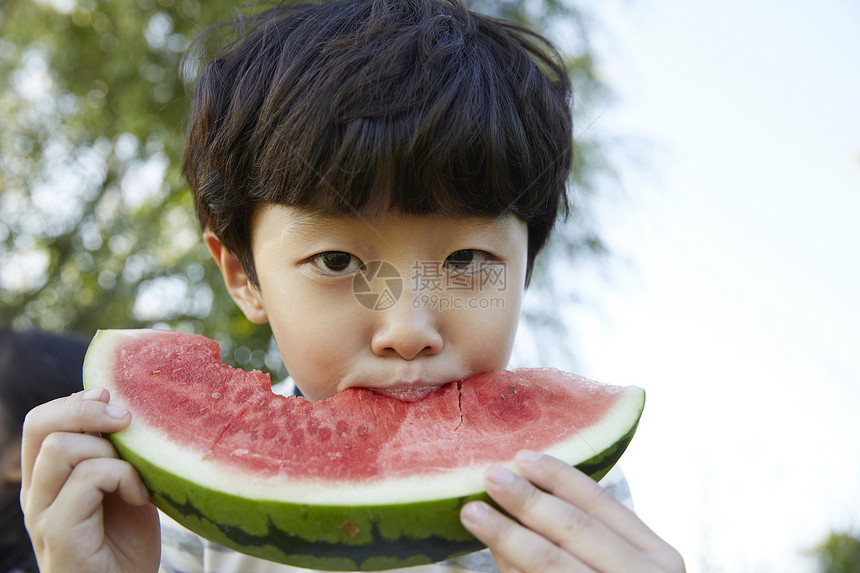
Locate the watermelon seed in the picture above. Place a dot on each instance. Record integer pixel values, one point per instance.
(362, 432)
(342, 428)
(349, 529)
(216, 395)
(153, 372)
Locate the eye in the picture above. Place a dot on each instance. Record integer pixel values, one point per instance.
(467, 260)
(336, 262)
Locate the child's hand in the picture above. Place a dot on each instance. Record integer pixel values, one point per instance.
(86, 510)
(566, 523)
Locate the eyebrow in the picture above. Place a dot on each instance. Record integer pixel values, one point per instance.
(311, 221)
(498, 226)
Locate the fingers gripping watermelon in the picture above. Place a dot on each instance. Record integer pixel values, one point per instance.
(356, 482)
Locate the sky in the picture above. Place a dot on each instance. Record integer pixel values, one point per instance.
(731, 294)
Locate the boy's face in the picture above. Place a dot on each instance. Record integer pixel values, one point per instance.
(440, 303)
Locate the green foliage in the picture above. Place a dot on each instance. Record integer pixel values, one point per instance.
(96, 227)
(839, 553)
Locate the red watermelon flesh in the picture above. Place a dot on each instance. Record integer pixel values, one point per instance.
(232, 415)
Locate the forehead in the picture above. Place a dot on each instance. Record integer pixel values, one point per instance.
(314, 222)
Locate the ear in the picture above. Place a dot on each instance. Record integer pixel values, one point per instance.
(246, 295)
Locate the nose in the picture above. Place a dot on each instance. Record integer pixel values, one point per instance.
(407, 330)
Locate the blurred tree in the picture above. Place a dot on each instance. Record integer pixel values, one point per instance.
(839, 553)
(96, 225)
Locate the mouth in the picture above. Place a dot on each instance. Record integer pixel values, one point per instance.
(407, 393)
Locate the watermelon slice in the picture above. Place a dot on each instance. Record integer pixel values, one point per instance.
(360, 481)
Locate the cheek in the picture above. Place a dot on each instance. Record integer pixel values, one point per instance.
(487, 335)
(316, 335)
(309, 355)
(487, 331)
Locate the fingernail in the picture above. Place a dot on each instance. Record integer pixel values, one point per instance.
(528, 456)
(92, 394)
(474, 513)
(500, 476)
(115, 412)
(145, 492)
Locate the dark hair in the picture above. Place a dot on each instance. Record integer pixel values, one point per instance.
(35, 367)
(418, 106)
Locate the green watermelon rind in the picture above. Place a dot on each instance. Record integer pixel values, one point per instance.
(333, 538)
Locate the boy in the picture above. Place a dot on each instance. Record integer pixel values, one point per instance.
(327, 137)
